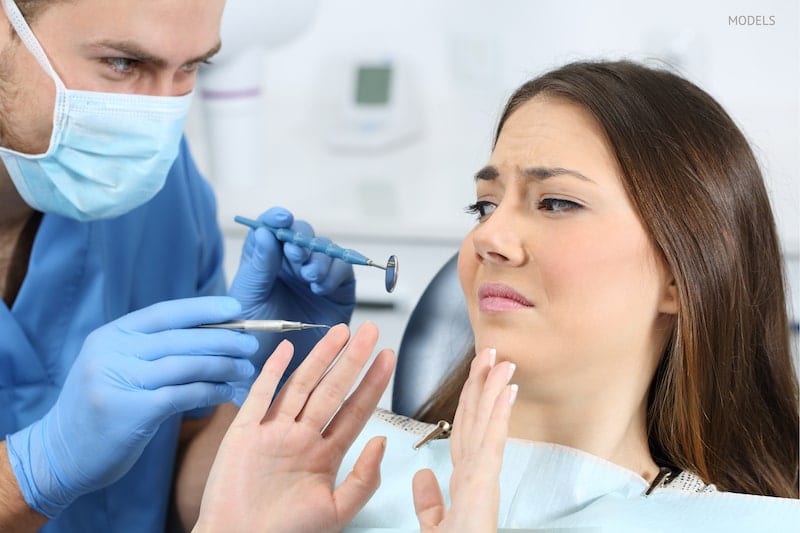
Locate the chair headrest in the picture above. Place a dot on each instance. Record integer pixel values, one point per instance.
(436, 338)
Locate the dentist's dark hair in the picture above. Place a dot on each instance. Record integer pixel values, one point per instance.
(723, 403)
(31, 8)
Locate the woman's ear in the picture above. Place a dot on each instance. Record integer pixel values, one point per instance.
(669, 298)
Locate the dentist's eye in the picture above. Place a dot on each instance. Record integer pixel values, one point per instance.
(121, 65)
(481, 209)
(191, 68)
(558, 205)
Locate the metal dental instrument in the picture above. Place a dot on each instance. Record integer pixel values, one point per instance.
(264, 325)
(328, 248)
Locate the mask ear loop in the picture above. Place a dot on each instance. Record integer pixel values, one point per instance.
(30, 41)
(25, 33)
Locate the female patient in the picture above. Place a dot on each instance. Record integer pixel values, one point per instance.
(625, 263)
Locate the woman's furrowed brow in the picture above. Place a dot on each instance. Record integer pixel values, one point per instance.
(490, 173)
(487, 173)
(543, 173)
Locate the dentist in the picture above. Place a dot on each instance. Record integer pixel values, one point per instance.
(110, 255)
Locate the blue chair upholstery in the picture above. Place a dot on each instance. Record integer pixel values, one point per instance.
(436, 338)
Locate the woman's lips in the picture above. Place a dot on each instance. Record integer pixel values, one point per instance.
(497, 297)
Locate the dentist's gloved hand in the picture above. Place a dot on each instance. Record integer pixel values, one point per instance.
(279, 280)
(130, 376)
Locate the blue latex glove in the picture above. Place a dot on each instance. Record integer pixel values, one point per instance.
(130, 376)
(279, 280)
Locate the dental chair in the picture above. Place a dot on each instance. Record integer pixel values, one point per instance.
(436, 338)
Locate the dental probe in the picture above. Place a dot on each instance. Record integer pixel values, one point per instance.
(264, 325)
(328, 248)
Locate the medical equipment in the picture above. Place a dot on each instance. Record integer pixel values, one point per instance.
(264, 325)
(377, 108)
(231, 90)
(328, 248)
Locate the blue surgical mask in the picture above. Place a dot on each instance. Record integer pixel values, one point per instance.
(109, 153)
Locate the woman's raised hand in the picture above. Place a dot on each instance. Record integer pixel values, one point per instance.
(477, 442)
(277, 464)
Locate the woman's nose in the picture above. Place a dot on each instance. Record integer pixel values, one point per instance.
(497, 239)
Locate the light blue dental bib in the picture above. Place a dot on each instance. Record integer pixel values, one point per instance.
(548, 487)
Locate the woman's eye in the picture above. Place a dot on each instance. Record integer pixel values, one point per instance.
(122, 65)
(558, 205)
(481, 209)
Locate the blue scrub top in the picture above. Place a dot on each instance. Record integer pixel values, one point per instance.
(82, 275)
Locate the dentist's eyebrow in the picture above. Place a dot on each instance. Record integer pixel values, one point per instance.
(489, 173)
(134, 51)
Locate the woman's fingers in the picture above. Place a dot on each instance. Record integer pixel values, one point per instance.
(495, 383)
(362, 482)
(261, 393)
(304, 380)
(330, 392)
(286, 462)
(481, 428)
(468, 401)
(351, 418)
(494, 440)
(428, 500)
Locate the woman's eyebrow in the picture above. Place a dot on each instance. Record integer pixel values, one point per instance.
(542, 173)
(489, 173)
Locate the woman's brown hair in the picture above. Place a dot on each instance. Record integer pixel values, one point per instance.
(723, 403)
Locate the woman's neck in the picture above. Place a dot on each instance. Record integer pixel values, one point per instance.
(608, 425)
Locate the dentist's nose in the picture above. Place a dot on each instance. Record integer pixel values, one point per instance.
(167, 85)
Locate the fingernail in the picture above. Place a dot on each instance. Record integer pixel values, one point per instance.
(295, 254)
(310, 274)
(226, 391)
(513, 394)
(231, 305)
(511, 368)
(492, 357)
(245, 368)
(250, 343)
(261, 233)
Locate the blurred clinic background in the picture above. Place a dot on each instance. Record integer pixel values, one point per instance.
(369, 118)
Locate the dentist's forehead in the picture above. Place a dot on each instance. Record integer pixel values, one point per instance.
(157, 31)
